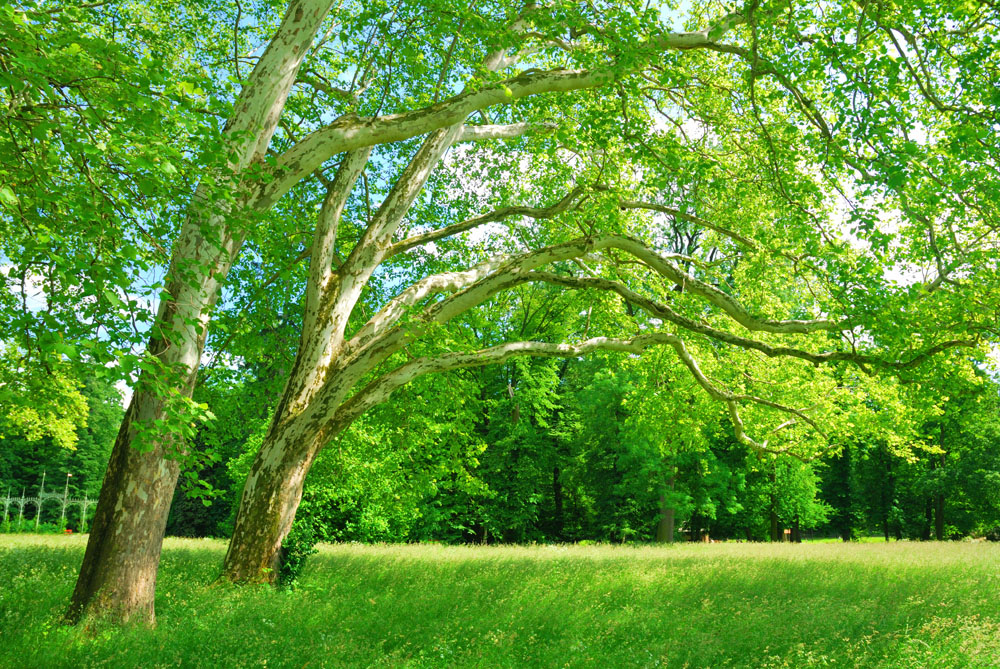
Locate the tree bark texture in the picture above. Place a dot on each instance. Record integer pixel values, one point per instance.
(271, 495)
(118, 575)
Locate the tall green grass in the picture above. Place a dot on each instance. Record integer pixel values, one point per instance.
(744, 605)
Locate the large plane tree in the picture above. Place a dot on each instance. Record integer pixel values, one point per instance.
(821, 222)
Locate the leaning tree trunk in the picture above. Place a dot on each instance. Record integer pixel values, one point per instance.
(274, 487)
(118, 575)
(271, 495)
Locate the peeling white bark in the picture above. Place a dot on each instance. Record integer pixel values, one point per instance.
(118, 574)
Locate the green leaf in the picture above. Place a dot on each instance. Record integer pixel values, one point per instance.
(7, 197)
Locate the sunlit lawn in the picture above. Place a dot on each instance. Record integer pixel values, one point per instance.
(891, 605)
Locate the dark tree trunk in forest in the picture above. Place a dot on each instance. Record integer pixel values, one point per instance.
(775, 528)
(889, 494)
(557, 498)
(925, 531)
(839, 493)
(939, 496)
(797, 531)
(665, 526)
(118, 576)
(939, 517)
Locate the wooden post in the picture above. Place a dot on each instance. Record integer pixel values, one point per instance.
(38, 505)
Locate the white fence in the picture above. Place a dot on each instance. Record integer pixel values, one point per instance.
(42, 499)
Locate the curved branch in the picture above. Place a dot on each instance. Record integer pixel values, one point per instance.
(727, 303)
(382, 336)
(377, 340)
(351, 131)
(666, 313)
(380, 389)
(500, 214)
(652, 206)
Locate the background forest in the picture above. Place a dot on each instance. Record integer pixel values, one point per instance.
(612, 448)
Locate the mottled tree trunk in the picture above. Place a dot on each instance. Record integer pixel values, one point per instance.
(271, 495)
(118, 576)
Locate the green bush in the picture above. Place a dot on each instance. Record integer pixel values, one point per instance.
(295, 549)
(28, 527)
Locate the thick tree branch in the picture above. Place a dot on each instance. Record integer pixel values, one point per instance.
(664, 312)
(351, 131)
(262, 99)
(728, 304)
(323, 250)
(380, 389)
(382, 337)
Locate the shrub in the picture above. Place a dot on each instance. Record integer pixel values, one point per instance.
(295, 549)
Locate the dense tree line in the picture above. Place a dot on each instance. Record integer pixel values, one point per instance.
(561, 451)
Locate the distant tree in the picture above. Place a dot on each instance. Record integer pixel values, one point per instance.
(66, 425)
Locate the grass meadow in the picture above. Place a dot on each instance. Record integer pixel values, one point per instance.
(717, 605)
